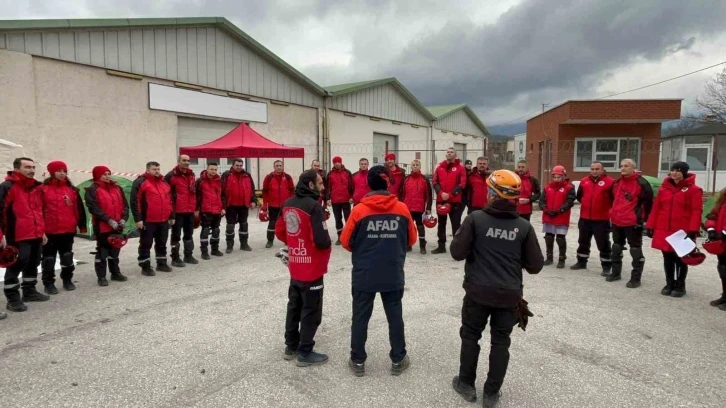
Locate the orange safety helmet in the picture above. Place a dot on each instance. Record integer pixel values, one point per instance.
(8, 256)
(559, 170)
(505, 183)
(429, 221)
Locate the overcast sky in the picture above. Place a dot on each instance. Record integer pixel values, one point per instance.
(504, 58)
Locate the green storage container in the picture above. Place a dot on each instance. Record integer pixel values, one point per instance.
(126, 185)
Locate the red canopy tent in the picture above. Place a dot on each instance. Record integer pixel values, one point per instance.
(242, 141)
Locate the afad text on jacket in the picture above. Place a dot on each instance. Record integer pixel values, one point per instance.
(340, 185)
(596, 197)
(450, 178)
(530, 189)
(209, 193)
(106, 202)
(151, 199)
(632, 201)
(378, 232)
(360, 186)
(238, 188)
(63, 209)
(302, 227)
(183, 190)
(557, 196)
(21, 206)
(277, 188)
(678, 206)
(395, 183)
(417, 193)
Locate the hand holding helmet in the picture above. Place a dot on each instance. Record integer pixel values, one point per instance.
(429, 221)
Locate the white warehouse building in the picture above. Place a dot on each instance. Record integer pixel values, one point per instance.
(121, 92)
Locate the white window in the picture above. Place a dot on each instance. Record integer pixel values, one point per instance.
(610, 151)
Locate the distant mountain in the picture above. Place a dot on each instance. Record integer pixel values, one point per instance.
(510, 130)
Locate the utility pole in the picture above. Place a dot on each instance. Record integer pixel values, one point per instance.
(547, 145)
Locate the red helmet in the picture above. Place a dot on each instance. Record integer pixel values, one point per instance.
(443, 209)
(8, 256)
(696, 257)
(327, 214)
(197, 221)
(263, 214)
(559, 170)
(429, 221)
(117, 241)
(715, 247)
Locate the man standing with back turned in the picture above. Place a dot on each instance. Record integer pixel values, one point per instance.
(497, 244)
(378, 232)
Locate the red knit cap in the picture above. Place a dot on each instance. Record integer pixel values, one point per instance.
(390, 156)
(337, 159)
(56, 166)
(98, 172)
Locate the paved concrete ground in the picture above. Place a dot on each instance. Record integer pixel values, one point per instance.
(212, 336)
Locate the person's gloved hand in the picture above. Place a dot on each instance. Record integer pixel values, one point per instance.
(283, 255)
(712, 235)
(113, 224)
(649, 233)
(552, 213)
(692, 235)
(122, 223)
(523, 314)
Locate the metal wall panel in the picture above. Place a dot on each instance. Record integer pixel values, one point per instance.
(203, 56)
(383, 101)
(459, 121)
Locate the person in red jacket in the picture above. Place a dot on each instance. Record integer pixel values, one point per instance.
(417, 194)
(449, 182)
(276, 189)
(302, 228)
(360, 181)
(324, 199)
(21, 210)
(476, 183)
(632, 202)
(340, 191)
(109, 208)
(531, 190)
(678, 206)
(3, 243)
(716, 228)
(556, 202)
(64, 214)
(595, 193)
(210, 208)
(152, 208)
(238, 195)
(397, 175)
(183, 195)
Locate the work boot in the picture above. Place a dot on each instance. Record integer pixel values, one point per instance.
(632, 284)
(163, 267)
(578, 266)
(467, 391)
(679, 289)
(51, 289)
(491, 400)
(3, 315)
(145, 269)
(409, 249)
(613, 277)
(205, 256)
(549, 260)
(189, 259)
(102, 282)
(118, 277)
(722, 307)
(718, 302)
(606, 268)
(68, 285)
(243, 245)
(230, 247)
(561, 263)
(403, 365)
(667, 289)
(338, 242)
(359, 369)
(16, 306)
(217, 252)
(32, 295)
(423, 250)
(268, 244)
(177, 263)
(311, 359)
(289, 354)
(441, 249)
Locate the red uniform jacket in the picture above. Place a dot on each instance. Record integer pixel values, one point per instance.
(63, 209)
(632, 201)
(183, 190)
(396, 180)
(596, 197)
(106, 202)
(477, 189)
(340, 185)
(530, 189)
(417, 193)
(557, 196)
(21, 208)
(209, 194)
(676, 207)
(450, 178)
(360, 186)
(238, 189)
(151, 199)
(276, 189)
(716, 220)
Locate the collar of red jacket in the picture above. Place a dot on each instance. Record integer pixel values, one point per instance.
(19, 178)
(394, 169)
(57, 183)
(232, 171)
(149, 176)
(685, 182)
(448, 165)
(416, 174)
(526, 174)
(280, 175)
(178, 171)
(561, 183)
(342, 168)
(206, 176)
(106, 185)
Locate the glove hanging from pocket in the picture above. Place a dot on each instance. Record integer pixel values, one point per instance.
(523, 314)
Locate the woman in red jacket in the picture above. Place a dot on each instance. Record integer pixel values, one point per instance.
(556, 203)
(678, 206)
(417, 194)
(63, 213)
(716, 227)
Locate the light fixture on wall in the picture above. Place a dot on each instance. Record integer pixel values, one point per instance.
(124, 74)
(188, 86)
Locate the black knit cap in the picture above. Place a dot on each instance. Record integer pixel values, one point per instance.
(683, 167)
(378, 178)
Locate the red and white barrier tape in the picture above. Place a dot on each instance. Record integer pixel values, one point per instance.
(113, 173)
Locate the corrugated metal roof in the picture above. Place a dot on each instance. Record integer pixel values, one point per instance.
(442, 111)
(220, 22)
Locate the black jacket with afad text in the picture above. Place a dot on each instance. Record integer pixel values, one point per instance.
(496, 244)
